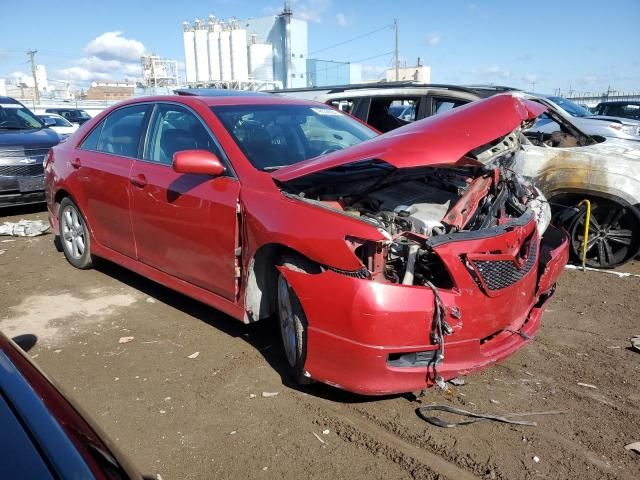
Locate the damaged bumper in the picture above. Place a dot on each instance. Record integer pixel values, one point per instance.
(375, 338)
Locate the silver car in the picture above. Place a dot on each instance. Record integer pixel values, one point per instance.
(605, 126)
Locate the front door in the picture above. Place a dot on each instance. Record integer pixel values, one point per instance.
(104, 161)
(184, 224)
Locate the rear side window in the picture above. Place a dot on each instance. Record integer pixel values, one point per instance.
(121, 130)
(441, 105)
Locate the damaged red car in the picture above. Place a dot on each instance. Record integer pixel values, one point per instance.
(389, 261)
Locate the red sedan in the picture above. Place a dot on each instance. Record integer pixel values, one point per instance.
(390, 261)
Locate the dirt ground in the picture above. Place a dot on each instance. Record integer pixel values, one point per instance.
(207, 417)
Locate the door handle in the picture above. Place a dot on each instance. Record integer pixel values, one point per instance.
(139, 180)
(75, 163)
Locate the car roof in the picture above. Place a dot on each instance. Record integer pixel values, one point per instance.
(620, 102)
(8, 100)
(212, 101)
(217, 92)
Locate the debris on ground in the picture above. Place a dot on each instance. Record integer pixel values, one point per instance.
(325, 431)
(318, 437)
(193, 355)
(125, 339)
(587, 385)
(599, 270)
(495, 402)
(458, 381)
(635, 343)
(24, 228)
(633, 447)
(476, 417)
(536, 459)
(270, 394)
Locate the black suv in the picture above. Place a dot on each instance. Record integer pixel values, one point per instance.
(24, 144)
(74, 115)
(619, 108)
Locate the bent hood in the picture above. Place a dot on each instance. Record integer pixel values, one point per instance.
(442, 139)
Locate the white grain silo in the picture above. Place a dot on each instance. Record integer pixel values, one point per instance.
(239, 64)
(214, 49)
(225, 53)
(260, 60)
(189, 52)
(202, 51)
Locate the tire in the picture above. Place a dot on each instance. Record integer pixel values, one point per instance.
(291, 319)
(74, 235)
(614, 234)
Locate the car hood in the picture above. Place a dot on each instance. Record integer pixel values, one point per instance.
(443, 139)
(42, 138)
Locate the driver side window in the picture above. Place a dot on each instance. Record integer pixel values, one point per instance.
(173, 129)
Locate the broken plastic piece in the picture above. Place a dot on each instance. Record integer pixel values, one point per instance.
(633, 447)
(635, 343)
(476, 417)
(24, 228)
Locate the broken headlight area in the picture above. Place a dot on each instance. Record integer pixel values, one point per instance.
(412, 206)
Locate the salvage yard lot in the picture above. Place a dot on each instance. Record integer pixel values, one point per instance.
(183, 415)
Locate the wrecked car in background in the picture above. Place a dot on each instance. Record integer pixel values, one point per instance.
(390, 261)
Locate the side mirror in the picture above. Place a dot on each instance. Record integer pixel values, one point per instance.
(48, 122)
(201, 162)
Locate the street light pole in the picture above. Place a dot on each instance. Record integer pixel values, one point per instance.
(397, 50)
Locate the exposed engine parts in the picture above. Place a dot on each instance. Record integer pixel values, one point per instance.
(418, 205)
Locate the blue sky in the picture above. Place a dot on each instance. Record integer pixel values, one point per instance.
(584, 45)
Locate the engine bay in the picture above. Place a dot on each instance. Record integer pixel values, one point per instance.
(411, 206)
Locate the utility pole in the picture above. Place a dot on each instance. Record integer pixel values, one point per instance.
(32, 54)
(533, 85)
(397, 50)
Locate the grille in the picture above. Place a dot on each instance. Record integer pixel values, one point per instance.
(499, 274)
(17, 169)
(21, 170)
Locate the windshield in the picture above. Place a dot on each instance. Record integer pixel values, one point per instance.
(273, 136)
(570, 107)
(76, 114)
(14, 116)
(59, 121)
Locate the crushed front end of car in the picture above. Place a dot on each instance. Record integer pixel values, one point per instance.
(458, 281)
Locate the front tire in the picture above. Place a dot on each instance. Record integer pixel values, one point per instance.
(614, 234)
(292, 321)
(74, 235)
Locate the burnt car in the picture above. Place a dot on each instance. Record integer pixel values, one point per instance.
(44, 436)
(389, 261)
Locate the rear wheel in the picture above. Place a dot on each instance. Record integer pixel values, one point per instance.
(292, 321)
(614, 234)
(74, 235)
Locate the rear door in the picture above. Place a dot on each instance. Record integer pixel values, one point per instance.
(104, 161)
(184, 224)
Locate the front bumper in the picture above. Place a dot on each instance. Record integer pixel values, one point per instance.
(374, 338)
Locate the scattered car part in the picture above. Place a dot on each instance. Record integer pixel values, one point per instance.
(635, 343)
(476, 417)
(25, 228)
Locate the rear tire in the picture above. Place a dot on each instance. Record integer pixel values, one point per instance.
(614, 234)
(292, 321)
(74, 235)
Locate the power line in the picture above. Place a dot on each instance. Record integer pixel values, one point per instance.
(351, 39)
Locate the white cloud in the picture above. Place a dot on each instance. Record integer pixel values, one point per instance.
(530, 77)
(310, 10)
(433, 39)
(373, 72)
(342, 20)
(109, 56)
(113, 46)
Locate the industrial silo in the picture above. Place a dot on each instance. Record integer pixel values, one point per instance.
(225, 53)
(214, 49)
(202, 51)
(239, 64)
(189, 52)
(260, 60)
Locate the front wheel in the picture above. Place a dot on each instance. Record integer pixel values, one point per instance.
(614, 234)
(74, 235)
(292, 322)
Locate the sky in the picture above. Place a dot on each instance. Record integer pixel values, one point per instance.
(571, 45)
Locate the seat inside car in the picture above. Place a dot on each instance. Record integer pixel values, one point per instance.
(175, 140)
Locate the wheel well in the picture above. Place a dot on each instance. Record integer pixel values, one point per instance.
(563, 204)
(260, 293)
(60, 194)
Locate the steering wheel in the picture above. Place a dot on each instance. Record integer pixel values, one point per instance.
(333, 148)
